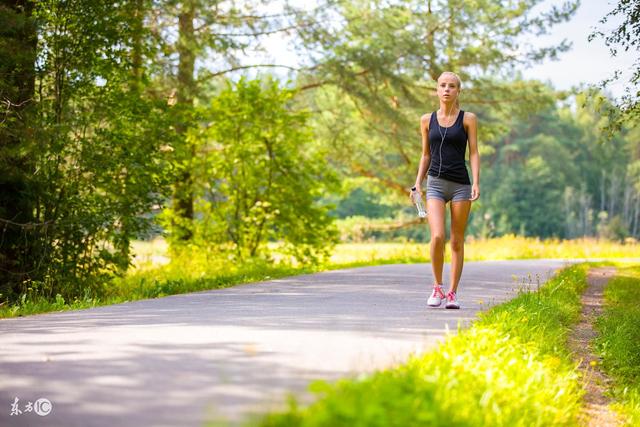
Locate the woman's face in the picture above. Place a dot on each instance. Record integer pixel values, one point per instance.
(448, 88)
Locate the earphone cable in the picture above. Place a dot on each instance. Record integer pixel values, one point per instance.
(441, 141)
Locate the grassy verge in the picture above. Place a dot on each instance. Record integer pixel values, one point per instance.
(499, 248)
(510, 368)
(199, 271)
(618, 341)
(174, 278)
(194, 273)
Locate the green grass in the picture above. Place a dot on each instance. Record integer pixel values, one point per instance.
(618, 342)
(510, 368)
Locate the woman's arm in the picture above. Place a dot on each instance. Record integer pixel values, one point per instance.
(426, 152)
(474, 156)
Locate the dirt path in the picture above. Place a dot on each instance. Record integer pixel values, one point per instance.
(596, 413)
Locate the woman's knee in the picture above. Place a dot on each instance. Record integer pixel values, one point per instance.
(457, 244)
(437, 238)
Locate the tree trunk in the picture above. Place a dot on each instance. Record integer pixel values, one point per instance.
(613, 192)
(626, 204)
(451, 28)
(136, 55)
(602, 191)
(432, 54)
(17, 207)
(636, 216)
(585, 211)
(183, 188)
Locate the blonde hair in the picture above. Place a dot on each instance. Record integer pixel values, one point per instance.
(451, 73)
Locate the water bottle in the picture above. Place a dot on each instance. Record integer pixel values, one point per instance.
(417, 200)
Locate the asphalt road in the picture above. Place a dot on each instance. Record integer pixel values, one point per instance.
(230, 353)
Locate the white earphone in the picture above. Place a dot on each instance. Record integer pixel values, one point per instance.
(442, 140)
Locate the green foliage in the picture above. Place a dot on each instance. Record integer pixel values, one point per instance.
(530, 197)
(625, 36)
(218, 34)
(618, 342)
(555, 173)
(612, 229)
(94, 146)
(360, 202)
(17, 56)
(511, 368)
(258, 178)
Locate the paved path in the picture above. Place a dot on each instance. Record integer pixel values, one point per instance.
(181, 359)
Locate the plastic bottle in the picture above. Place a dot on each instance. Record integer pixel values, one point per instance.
(417, 200)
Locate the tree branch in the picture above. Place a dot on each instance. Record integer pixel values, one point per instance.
(256, 34)
(324, 82)
(387, 182)
(242, 67)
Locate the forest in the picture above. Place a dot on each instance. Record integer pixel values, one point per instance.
(126, 120)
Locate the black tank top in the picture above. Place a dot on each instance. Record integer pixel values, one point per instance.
(454, 148)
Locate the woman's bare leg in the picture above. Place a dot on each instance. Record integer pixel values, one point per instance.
(459, 215)
(435, 207)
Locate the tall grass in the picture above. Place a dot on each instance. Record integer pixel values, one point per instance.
(511, 368)
(618, 342)
(499, 248)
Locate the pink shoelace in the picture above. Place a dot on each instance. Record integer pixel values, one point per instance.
(437, 291)
(451, 296)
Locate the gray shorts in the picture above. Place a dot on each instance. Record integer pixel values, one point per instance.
(445, 190)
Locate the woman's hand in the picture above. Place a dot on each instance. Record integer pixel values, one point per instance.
(417, 191)
(475, 192)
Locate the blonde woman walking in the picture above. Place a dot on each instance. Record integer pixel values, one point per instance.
(445, 134)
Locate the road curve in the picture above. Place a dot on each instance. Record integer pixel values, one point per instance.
(185, 359)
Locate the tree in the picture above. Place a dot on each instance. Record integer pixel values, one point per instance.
(17, 68)
(217, 32)
(258, 179)
(93, 145)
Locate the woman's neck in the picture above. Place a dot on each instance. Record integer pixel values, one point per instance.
(448, 108)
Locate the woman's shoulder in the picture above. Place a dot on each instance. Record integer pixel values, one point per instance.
(426, 119)
(468, 116)
(469, 121)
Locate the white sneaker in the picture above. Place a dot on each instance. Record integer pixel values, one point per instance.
(436, 296)
(452, 301)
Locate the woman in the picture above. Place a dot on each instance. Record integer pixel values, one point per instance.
(445, 134)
